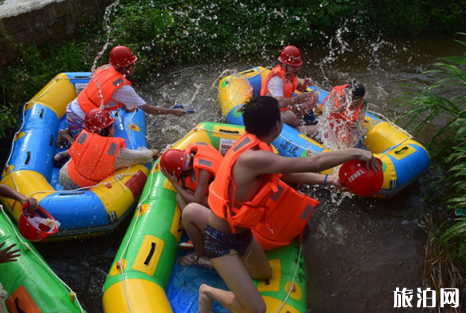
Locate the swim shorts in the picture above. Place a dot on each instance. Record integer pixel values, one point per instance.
(217, 243)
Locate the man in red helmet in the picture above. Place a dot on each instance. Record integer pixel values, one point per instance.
(283, 81)
(109, 89)
(96, 154)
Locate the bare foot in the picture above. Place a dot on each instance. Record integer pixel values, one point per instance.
(195, 259)
(205, 303)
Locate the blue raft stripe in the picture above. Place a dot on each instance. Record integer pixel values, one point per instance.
(33, 150)
(410, 166)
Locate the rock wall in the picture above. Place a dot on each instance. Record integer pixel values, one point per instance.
(44, 23)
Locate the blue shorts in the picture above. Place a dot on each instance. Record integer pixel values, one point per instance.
(217, 243)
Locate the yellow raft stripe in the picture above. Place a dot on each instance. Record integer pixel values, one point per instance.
(114, 299)
(55, 95)
(149, 254)
(273, 306)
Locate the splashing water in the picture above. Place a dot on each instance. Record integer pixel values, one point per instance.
(107, 28)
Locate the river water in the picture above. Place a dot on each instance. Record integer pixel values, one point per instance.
(359, 250)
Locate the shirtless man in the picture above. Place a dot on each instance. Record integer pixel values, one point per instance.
(245, 180)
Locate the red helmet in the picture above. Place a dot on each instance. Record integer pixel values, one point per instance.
(290, 55)
(174, 160)
(31, 226)
(121, 56)
(98, 119)
(360, 180)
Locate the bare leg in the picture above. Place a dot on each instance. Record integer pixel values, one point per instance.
(309, 130)
(243, 297)
(289, 118)
(195, 218)
(256, 262)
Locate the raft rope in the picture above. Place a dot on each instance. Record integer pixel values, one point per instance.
(72, 293)
(292, 288)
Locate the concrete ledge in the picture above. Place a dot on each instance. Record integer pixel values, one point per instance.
(43, 22)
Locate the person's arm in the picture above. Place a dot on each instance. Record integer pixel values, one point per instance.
(8, 192)
(202, 186)
(258, 162)
(150, 109)
(298, 100)
(314, 179)
(8, 255)
(127, 157)
(187, 195)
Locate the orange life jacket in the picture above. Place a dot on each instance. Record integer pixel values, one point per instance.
(349, 115)
(341, 122)
(250, 213)
(206, 158)
(109, 80)
(288, 87)
(92, 158)
(288, 213)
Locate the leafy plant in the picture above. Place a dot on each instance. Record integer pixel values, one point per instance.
(426, 104)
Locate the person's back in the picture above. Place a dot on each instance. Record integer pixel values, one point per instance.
(96, 154)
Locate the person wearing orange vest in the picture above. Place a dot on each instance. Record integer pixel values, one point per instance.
(110, 89)
(195, 166)
(283, 81)
(248, 175)
(343, 104)
(96, 154)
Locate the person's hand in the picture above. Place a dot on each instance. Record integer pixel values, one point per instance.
(368, 157)
(171, 177)
(33, 203)
(308, 82)
(179, 112)
(155, 154)
(127, 110)
(335, 181)
(8, 256)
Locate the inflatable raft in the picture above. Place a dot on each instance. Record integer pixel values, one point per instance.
(31, 285)
(29, 169)
(404, 159)
(144, 276)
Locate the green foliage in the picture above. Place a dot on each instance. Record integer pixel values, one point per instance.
(167, 32)
(415, 17)
(426, 104)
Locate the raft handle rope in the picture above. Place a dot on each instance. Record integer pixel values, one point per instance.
(292, 279)
(72, 293)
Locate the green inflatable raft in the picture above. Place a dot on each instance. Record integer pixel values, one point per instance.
(145, 276)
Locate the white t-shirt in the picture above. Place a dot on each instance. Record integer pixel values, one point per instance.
(275, 86)
(125, 94)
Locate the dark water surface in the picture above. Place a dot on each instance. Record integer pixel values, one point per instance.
(359, 250)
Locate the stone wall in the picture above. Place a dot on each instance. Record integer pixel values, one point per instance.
(45, 24)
